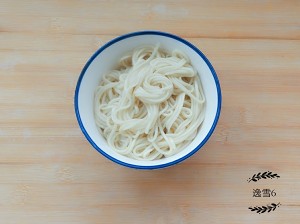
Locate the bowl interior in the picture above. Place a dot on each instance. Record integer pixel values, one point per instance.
(106, 59)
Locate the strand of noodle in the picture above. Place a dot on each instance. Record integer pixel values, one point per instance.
(174, 116)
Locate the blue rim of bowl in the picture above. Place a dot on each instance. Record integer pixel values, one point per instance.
(139, 33)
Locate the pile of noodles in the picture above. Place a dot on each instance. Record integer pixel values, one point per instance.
(151, 106)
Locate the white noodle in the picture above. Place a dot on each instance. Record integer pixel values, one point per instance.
(151, 106)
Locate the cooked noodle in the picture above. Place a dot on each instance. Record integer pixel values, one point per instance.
(151, 106)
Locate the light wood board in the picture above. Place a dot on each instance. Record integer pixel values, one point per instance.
(49, 173)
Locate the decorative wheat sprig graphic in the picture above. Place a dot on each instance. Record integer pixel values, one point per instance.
(263, 209)
(264, 175)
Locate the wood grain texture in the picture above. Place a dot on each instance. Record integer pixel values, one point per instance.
(50, 174)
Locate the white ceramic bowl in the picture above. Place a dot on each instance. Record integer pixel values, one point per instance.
(107, 57)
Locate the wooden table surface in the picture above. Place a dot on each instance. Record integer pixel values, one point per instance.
(49, 173)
